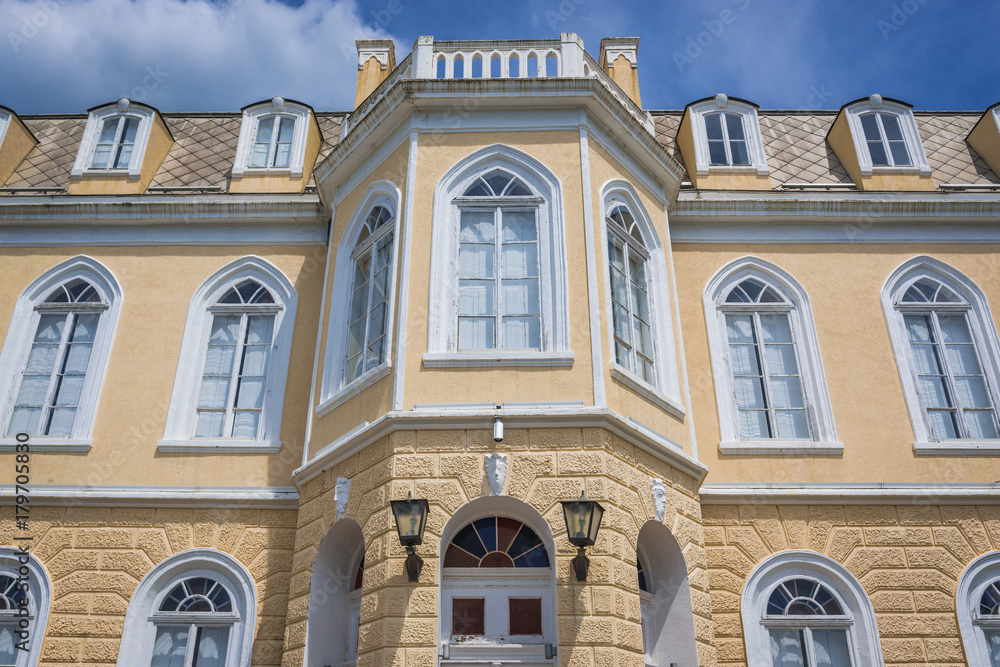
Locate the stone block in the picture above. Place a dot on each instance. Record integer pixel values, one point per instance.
(917, 625)
(967, 519)
(105, 538)
(870, 515)
(898, 536)
(100, 650)
(865, 559)
(892, 601)
(747, 540)
(843, 541)
(903, 650)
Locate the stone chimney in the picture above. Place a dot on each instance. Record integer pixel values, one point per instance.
(376, 58)
(619, 58)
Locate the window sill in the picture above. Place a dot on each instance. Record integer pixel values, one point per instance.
(496, 358)
(647, 391)
(958, 448)
(356, 387)
(734, 169)
(886, 169)
(219, 446)
(787, 447)
(47, 444)
(108, 174)
(268, 171)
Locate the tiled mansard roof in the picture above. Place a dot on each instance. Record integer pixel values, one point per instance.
(794, 141)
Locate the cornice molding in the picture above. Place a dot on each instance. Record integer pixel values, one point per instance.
(880, 493)
(278, 497)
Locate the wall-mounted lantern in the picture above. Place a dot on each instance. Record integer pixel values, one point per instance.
(583, 520)
(411, 518)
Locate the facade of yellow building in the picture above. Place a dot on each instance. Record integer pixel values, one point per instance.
(762, 340)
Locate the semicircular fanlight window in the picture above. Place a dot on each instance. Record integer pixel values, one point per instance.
(927, 290)
(497, 184)
(496, 542)
(752, 290)
(11, 595)
(802, 597)
(247, 292)
(989, 603)
(74, 291)
(198, 594)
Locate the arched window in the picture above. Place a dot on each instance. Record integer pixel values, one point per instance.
(272, 144)
(727, 137)
(335, 590)
(196, 608)
(272, 138)
(372, 257)
(802, 608)
(630, 313)
(770, 385)
(946, 348)
(114, 139)
(231, 375)
(56, 353)
(115, 143)
(22, 610)
(498, 277)
(496, 589)
(885, 136)
(664, 598)
(978, 606)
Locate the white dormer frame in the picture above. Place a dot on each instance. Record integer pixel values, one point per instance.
(248, 132)
(4, 123)
(751, 129)
(908, 125)
(996, 117)
(95, 121)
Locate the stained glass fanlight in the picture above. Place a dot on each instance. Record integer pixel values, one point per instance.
(496, 542)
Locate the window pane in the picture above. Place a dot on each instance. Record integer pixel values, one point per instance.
(131, 127)
(926, 360)
(225, 329)
(739, 328)
(525, 615)
(69, 388)
(376, 326)
(791, 423)
(640, 303)
(878, 154)
(981, 424)
(781, 360)
(219, 360)
(214, 391)
(900, 156)
(622, 324)
(520, 297)
(962, 360)
(108, 130)
(786, 392)
(891, 125)
(644, 369)
(250, 393)
(935, 392)
(468, 616)
(259, 328)
(50, 328)
(209, 424)
(753, 424)
(831, 648)
(101, 156)
(993, 645)
(211, 647)
(519, 226)
(61, 422)
(744, 359)
(77, 358)
(34, 389)
(475, 297)
(475, 260)
(787, 647)
(643, 338)
(122, 158)
(245, 425)
(285, 129)
(713, 126)
(477, 227)
(619, 287)
(775, 328)
(475, 333)
(259, 157)
(255, 360)
(943, 424)
(521, 333)
(870, 126)
(520, 260)
(265, 128)
(282, 153)
(972, 392)
(170, 646)
(717, 152)
(740, 153)
(734, 125)
(7, 641)
(622, 356)
(749, 393)
(616, 254)
(24, 420)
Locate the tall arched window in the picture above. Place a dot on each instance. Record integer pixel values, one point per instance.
(770, 385)
(231, 375)
(978, 607)
(335, 590)
(496, 589)
(946, 349)
(630, 314)
(22, 610)
(56, 353)
(498, 278)
(197, 608)
(372, 256)
(803, 608)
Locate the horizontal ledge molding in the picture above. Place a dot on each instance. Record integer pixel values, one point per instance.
(42, 444)
(958, 448)
(499, 358)
(353, 389)
(875, 493)
(648, 392)
(220, 446)
(158, 496)
(784, 447)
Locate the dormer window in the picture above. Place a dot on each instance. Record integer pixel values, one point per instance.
(727, 140)
(272, 139)
(726, 136)
(885, 136)
(115, 145)
(114, 141)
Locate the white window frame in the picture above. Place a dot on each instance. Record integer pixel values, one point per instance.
(92, 133)
(21, 332)
(5, 116)
(442, 330)
(817, 396)
(862, 630)
(751, 129)
(979, 574)
(178, 434)
(333, 390)
(665, 390)
(248, 136)
(908, 125)
(140, 629)
(984, 333)
(39, 597)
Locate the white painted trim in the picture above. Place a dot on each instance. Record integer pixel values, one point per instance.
(21, 332)
(817, 396)
(181, 415)
(875, 493)
(968, 447)
(279, 497)
(209, 234)
(979, 574)
(844, 233)
(647, 391)
(491, 358)
(593, 290)
(361, 383)
(219, 446)
(92, 132)
(664, 350)
(981, 326)
(908, 125)
(777, 446)
(248, 133)
(4, 124)
(12, 560)
(314, 378)
(442, 330)
(457, 417)
(138, 632)
(47, 444)
(863, 632)
(402, 323)
(379, 193)
(751, 130)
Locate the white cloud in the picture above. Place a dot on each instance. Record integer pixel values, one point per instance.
(66, 56)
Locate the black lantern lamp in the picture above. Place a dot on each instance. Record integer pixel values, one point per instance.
(411, 518)
(583, 520)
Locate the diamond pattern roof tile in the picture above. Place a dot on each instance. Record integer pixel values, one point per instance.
(49, 163)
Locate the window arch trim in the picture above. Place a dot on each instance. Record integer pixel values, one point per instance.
(252, 115)
(865, 642)
(751, 130)
(442, 335)
(333, 391)
(157, 584)
(92, 135)
(979, 574)
(40, 596)
(665, 391)
(24, 322)
(907, 124)
(984, 332)
(817, 397)
(178, 434)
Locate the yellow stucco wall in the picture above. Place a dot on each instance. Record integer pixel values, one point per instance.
(133, 406)
(843, 283)
(17, 143)
(842, 143)
(984, 138)
(283, 182)
(626, 76)
(117, 183)
(369, 78)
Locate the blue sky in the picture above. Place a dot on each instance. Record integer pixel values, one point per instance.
(186, 55)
